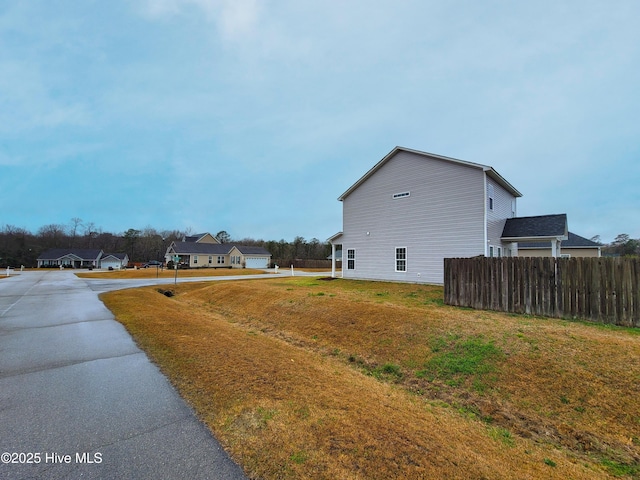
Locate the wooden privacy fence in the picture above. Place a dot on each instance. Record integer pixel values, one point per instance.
(605, 290)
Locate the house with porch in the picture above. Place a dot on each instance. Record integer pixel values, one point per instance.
(413, 209)
(204, 250)
(70, 258)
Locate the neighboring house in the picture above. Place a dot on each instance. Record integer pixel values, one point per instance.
(548, 229)
(574, 246)
(70, 258)
(201, 238)
(205, 251)
(116, 261)
(252, 257)
(414, 209)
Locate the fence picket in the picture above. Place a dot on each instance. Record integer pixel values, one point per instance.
(605, 290)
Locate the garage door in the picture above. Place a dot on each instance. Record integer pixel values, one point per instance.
(256, 262)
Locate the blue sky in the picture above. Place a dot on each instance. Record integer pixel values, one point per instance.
(254, 116)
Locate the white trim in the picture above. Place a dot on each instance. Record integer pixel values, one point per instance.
(485, 246)
(350, 259)
(406, 259)
(499, 179)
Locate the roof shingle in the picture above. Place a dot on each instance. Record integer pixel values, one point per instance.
(538, 226)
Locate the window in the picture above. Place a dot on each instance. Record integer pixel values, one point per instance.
(499, 251)
(195, 259)
(491, 250)
(220, 260)
(210, 259)
(401, 195)
(401, 259)
(490, 197)
(351, 259)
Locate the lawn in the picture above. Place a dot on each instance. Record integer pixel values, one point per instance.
(310, 378)
(153, 272)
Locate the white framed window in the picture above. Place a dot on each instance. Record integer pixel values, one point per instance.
(210, 259)
(490, 250)
(351, 259)
(565, 255)
(220, 260)
(401, 259)
(195, 259)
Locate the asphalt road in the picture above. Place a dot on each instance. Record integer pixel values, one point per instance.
(78, 399)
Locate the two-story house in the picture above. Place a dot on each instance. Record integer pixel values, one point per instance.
(413, 209)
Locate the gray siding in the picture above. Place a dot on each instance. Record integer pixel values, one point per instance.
(496, 218)
(442, 217)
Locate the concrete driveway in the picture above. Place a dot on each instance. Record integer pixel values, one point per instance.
(79, 399)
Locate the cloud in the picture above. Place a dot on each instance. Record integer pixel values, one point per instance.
(235, 18)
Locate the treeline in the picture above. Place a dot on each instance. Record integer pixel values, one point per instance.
(19, 246)
(622, 246)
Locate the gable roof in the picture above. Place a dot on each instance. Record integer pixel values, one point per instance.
(188, 248)
(490, 172)
(250, 250)
(199, 237)
(540, 227)
(574, 241)
(119, 256)
(192, 248)
(81, 253)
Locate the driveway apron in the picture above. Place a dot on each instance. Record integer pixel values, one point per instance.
(79, 399)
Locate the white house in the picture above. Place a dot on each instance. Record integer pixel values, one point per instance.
(413, 209)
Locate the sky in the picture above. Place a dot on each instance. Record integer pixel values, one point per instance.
(253, 117)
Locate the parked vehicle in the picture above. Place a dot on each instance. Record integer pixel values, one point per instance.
(152, 263)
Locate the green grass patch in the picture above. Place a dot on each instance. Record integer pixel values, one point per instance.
(388, 372)
(299, 457)
(502, 435)
(618, 469)
(455, 359)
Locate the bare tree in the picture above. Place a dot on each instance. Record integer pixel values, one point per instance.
(52, 235)
(75, 223)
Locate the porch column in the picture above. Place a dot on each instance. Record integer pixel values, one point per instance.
(333, 260)
(555, 248)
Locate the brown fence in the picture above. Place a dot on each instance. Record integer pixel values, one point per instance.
(604, 290)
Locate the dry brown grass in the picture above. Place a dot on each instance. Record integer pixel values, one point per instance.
(169, 274)
(303, 378)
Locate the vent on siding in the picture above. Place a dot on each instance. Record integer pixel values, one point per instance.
(401, 195)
